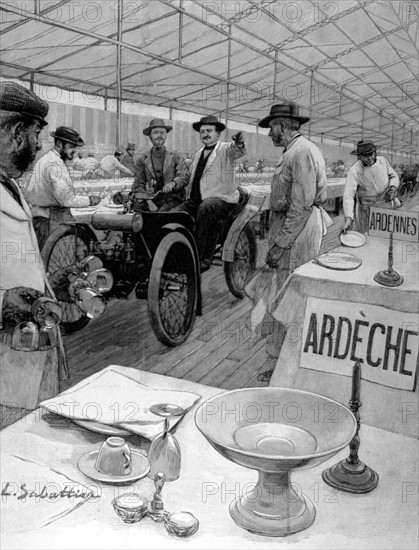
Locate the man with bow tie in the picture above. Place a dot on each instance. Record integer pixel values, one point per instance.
(213, 193)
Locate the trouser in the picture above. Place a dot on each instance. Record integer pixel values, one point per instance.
(42, 229)
(209, 215)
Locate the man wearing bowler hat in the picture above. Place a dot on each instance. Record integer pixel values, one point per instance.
(26, 377)
(371, 181)
(50, 191)
(128, 159)
(298, 190)
(160, 170)
(212, 191)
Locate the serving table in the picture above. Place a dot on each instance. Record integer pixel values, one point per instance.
(384, 316)
(385, 518)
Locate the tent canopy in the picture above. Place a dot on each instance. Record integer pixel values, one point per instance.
(352, 65)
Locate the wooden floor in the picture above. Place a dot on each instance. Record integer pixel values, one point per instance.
(217, 352)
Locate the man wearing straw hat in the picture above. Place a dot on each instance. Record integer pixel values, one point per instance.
(160, 170)
(26, 377)
(371, 181)
(297, 223)
(50, 190)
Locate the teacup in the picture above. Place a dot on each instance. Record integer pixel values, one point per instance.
(114, 457)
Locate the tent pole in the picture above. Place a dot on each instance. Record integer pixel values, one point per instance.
(228, 80)
(275, 76)
(180, 45)
(392, 142)
(118, 74)
(311, 102)
(411, 147)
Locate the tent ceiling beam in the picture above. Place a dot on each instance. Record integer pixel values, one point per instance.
(294, 59)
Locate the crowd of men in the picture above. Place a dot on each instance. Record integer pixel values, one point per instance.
(203, 186)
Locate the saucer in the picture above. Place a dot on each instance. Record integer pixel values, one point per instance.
(139, 463)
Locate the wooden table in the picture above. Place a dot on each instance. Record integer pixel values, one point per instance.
(385, 518)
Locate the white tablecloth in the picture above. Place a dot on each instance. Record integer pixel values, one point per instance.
(382, 406)
(384, 518)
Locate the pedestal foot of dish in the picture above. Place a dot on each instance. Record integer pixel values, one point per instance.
(273, 508)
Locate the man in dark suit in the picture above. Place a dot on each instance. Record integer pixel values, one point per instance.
(160, 170)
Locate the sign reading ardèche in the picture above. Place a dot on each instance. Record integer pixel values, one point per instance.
(403, 224)
(385, 342)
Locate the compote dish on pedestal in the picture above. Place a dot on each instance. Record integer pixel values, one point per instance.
(275, 431)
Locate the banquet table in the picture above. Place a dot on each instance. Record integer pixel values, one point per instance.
(384, 518)
(352, 290)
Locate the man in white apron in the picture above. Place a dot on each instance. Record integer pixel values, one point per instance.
(296, 221)
(370, 182)
(26, 377)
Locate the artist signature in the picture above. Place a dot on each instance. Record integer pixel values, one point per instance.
(50, 492)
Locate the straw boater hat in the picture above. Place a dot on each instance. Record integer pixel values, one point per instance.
(70, 135)
(210, 119)
(364, 148)
(131, 147)
(17, 99)
(283, 110)
(156, 123)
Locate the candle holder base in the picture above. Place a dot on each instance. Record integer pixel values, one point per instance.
(351, 478)
(388, 278)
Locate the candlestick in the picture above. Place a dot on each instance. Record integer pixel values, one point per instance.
(356, 382)
(389, 277)
(351, 474)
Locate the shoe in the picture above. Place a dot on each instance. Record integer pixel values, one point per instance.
(265, 376)
(205, 265)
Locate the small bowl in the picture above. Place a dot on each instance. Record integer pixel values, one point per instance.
(181, 524)
(130, 507)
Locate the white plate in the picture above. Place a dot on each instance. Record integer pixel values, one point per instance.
(353, 239)
(340, 261)
(101, 428)
(139, 464)
(114, 206)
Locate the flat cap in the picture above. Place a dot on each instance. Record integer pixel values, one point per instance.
(15, 98)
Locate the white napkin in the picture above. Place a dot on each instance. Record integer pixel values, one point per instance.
(115, 399)
(33, 495)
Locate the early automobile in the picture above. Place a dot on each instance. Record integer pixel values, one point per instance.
(116, 251)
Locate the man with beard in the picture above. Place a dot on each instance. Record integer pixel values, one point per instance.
(50, 190)
(296, 226)
(370, 182)
(160, 170)
(26, 377)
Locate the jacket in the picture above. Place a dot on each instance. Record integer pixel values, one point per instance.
(218, 177)
(174, 169)
(51, 185)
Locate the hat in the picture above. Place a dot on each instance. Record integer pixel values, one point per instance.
(17, 99)
(67, 134)
(364, 148)
(283, 110)
(156, 123)
(131, 146)
(210, 119)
